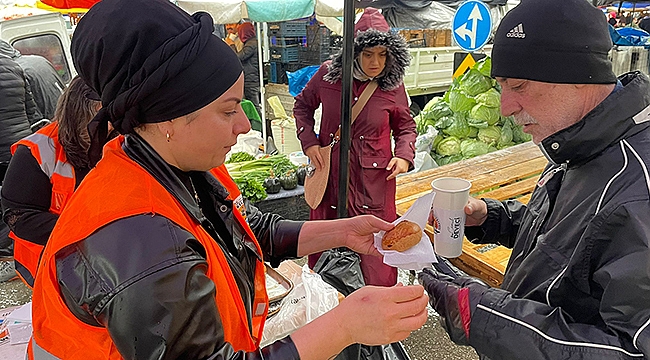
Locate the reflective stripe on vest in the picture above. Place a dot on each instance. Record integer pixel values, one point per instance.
(45, 148)
(100, 200)
(36, 352)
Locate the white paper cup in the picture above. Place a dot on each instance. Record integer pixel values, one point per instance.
(449, 215)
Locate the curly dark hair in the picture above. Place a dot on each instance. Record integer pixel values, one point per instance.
(74, 110)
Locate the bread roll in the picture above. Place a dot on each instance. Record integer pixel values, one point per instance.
(402, 237)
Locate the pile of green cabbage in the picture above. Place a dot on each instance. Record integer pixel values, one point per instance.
(468, 118)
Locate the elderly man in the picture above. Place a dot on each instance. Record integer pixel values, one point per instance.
(578, 282)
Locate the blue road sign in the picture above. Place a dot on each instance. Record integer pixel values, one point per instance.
(472, 25)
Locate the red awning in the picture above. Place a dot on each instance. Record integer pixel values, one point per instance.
(70, 4)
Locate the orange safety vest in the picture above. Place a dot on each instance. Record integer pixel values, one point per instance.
(118, 188)
(46, 149)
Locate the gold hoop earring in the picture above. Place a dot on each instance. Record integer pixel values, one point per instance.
(168, 137)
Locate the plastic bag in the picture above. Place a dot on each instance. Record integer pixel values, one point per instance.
(310, 298)
(341, 268)
(249, 143)
(422, 162)
(299, 78)
(284, 129)
(424, 142)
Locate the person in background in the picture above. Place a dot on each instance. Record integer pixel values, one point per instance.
(157, 254)
(577, 285)
(44, 172)
(45, 83)
(249, 57)
(383, 57)
(644, 23)
(611, 19)
(17, 113)
(232, 38)
(18, 110)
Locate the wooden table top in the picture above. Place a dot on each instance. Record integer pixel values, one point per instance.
(505, 174)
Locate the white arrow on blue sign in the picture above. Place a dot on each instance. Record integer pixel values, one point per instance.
(472, 25)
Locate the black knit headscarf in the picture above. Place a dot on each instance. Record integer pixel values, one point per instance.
(150, 62)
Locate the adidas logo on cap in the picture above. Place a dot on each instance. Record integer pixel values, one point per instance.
(517, 32)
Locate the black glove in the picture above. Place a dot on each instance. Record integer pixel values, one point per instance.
(455, 300)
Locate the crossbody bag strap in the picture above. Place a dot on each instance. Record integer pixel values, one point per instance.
(359, 105)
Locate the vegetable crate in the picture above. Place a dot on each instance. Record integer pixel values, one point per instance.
(286, 41)
(318, 37)
(289, 28)
(629, 58)
(278, 72)
(284, 54)
(309, 56)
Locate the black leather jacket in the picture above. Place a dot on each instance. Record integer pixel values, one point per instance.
(17, 107)
(578, 282)
(144, 277)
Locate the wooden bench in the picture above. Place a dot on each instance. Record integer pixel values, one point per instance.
(505, 174)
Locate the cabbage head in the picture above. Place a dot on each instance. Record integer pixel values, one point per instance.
(448, 146)
(478, 124)
(444, 160)
(471, 147)
(490, 98)
(459, 101)
(444, 122)
(474, 83)
(489, 135)
(473, 132)
(506, 135)
(439, 110)
(431, 103)
(519, 136)
(484, 66)
(437, 141)
(458, 128)
(488, 114)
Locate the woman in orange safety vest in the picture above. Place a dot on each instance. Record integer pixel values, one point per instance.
(157, 255)
(44, 171)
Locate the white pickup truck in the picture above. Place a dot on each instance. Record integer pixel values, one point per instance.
(431, 69)
(45, 35)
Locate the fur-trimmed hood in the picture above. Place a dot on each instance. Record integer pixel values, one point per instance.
(372, 30)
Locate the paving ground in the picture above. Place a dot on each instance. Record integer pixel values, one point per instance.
(429, 343)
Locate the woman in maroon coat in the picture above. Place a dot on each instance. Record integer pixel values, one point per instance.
(381, 56)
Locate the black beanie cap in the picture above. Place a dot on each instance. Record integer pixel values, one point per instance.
(554, 41)
(149, 61)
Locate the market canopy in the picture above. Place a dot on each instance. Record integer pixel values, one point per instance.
(232, 11)
(13, 12)
(68, 5)
(628, 5)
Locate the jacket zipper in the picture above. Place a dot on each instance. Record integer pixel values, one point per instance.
(549, 175)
